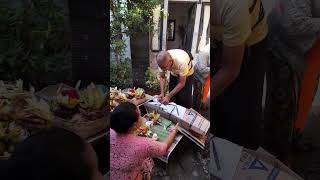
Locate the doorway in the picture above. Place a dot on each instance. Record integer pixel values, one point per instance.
(181, 21)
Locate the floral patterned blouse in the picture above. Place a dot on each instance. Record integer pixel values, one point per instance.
(129, 154)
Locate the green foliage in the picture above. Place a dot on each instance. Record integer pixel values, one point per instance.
(34, 43)
(121, 74)
(152, 80)
(118, 46)
(134, 15)
(129, 17)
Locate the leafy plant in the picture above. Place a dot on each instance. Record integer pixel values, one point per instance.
(34, 43)
(134, 16)
(121, 74)
(129, 17)
(152, 81)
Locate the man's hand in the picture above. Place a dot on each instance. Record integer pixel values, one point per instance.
(160, 97)
(165, 100)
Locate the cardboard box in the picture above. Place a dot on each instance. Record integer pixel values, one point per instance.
(238, 163)
(195, 122)
(176, 114)
(270, 159)
(253, 165)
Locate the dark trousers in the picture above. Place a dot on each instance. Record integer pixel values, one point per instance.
(237, 112)
(184, 96)
(197, 94)
(280, 107)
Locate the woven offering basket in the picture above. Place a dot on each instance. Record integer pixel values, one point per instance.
(83, 126)
(137, 101)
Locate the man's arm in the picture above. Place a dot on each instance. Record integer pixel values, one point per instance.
(179, 86)
(230, 68)
(162, 82)
(237, 29)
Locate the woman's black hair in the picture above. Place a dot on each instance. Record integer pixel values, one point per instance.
(52, 154)
(123, 117)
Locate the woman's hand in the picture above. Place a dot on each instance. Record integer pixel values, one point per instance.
(175, 128)
(172, 135)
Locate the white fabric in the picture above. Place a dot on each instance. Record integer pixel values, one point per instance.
(170, 109)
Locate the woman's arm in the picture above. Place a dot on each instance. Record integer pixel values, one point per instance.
(171, 136)
(155, 148)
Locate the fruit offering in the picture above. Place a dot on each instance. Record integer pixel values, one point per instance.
(131, 93)
(5, 109)
(121, 98)
(143, 131)
(139, 93)
(155, 118)
(32, 112)
(10, 135)
(68, 98)
(113, 104)
(11, 89)
(116, 98)
(92, 98)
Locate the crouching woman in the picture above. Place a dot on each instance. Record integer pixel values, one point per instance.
(131, 155)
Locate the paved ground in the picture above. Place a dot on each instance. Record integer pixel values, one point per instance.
(188, 162)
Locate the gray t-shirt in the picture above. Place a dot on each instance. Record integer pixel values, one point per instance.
(202, 67)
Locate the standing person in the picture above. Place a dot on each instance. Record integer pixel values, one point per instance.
(240, 31)
(201, 74)
(131, 155)
(179, 63)
(294, 28)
